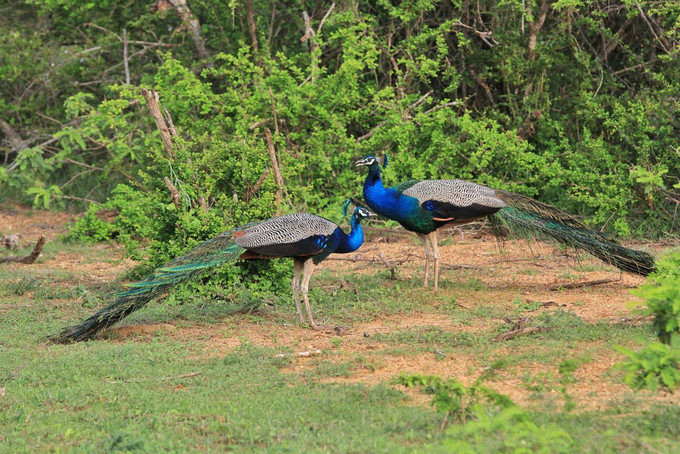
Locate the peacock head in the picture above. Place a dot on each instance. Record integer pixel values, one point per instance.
(361, 213)
(371, 160)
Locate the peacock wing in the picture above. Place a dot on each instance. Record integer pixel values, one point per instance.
(292, 235)
(455, 199)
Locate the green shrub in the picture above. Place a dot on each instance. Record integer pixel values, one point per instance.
(656, 365)
(512, 430)
(662, 297)
(489, 421)
(454, 399)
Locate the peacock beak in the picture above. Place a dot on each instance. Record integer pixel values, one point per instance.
(362, 163)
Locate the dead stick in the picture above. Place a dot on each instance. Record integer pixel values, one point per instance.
(193, 25)
(125, 57)
(152, 98)
(29, 258)
(252, 28)
(582, 284)
(256, 186)
(174, 193)
(276, 120)
(191, 374)
(275, 167)
(518, 332)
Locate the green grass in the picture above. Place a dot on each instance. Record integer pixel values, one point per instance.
(132, 397)
(169, 393)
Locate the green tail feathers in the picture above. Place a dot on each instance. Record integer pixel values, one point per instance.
(215, 252)
(532, 217)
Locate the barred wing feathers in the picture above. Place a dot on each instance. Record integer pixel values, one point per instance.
(454, 199)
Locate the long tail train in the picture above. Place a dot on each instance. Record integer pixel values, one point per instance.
(212, 253)
(526, 215)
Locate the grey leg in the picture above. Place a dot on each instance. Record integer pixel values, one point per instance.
(428, 255)
(435, 255)
(308, 270)
(297, 272)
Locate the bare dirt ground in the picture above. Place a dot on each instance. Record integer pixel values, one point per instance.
(519, 270)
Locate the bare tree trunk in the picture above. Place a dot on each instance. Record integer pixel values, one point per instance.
(250, 12)
(125, 57)
(192, 24)
(535, 26)
(310, 34)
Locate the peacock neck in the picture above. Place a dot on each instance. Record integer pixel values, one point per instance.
(385, 201)
(353, 241)
(391, 203)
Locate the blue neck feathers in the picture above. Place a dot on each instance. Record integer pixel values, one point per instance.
(353, 241)
(392, 204)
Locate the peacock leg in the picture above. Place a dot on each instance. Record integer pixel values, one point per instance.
(428, 254)
(308, 270)
(297, 272)
(435, 255)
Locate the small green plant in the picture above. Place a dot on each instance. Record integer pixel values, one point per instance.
(474, 284)
(656, 365)
(491, 372)
(566, 369)
(528, 305)
(511, 430)
(456, 400)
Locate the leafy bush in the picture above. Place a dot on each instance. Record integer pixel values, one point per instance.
(585, 120)
(490, 421)
(662, 297)
(455, 400)
(656, 365)
(511, 430)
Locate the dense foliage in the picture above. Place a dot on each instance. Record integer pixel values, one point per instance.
(571, 101)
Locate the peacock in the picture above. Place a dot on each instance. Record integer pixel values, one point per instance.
(307, 238)
(425, 206)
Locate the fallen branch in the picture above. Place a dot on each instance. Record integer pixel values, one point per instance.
(632, 320)
(519, 328)
(29, 258)
(299, 354)
(582, 284)
(190, 374)
(517, 332)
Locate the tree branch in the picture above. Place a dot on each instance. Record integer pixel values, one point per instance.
(125, 57)
(192, 24)
(29, 258)
(535, 27)
(152, 98)
(275, 167)
(250, 14)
